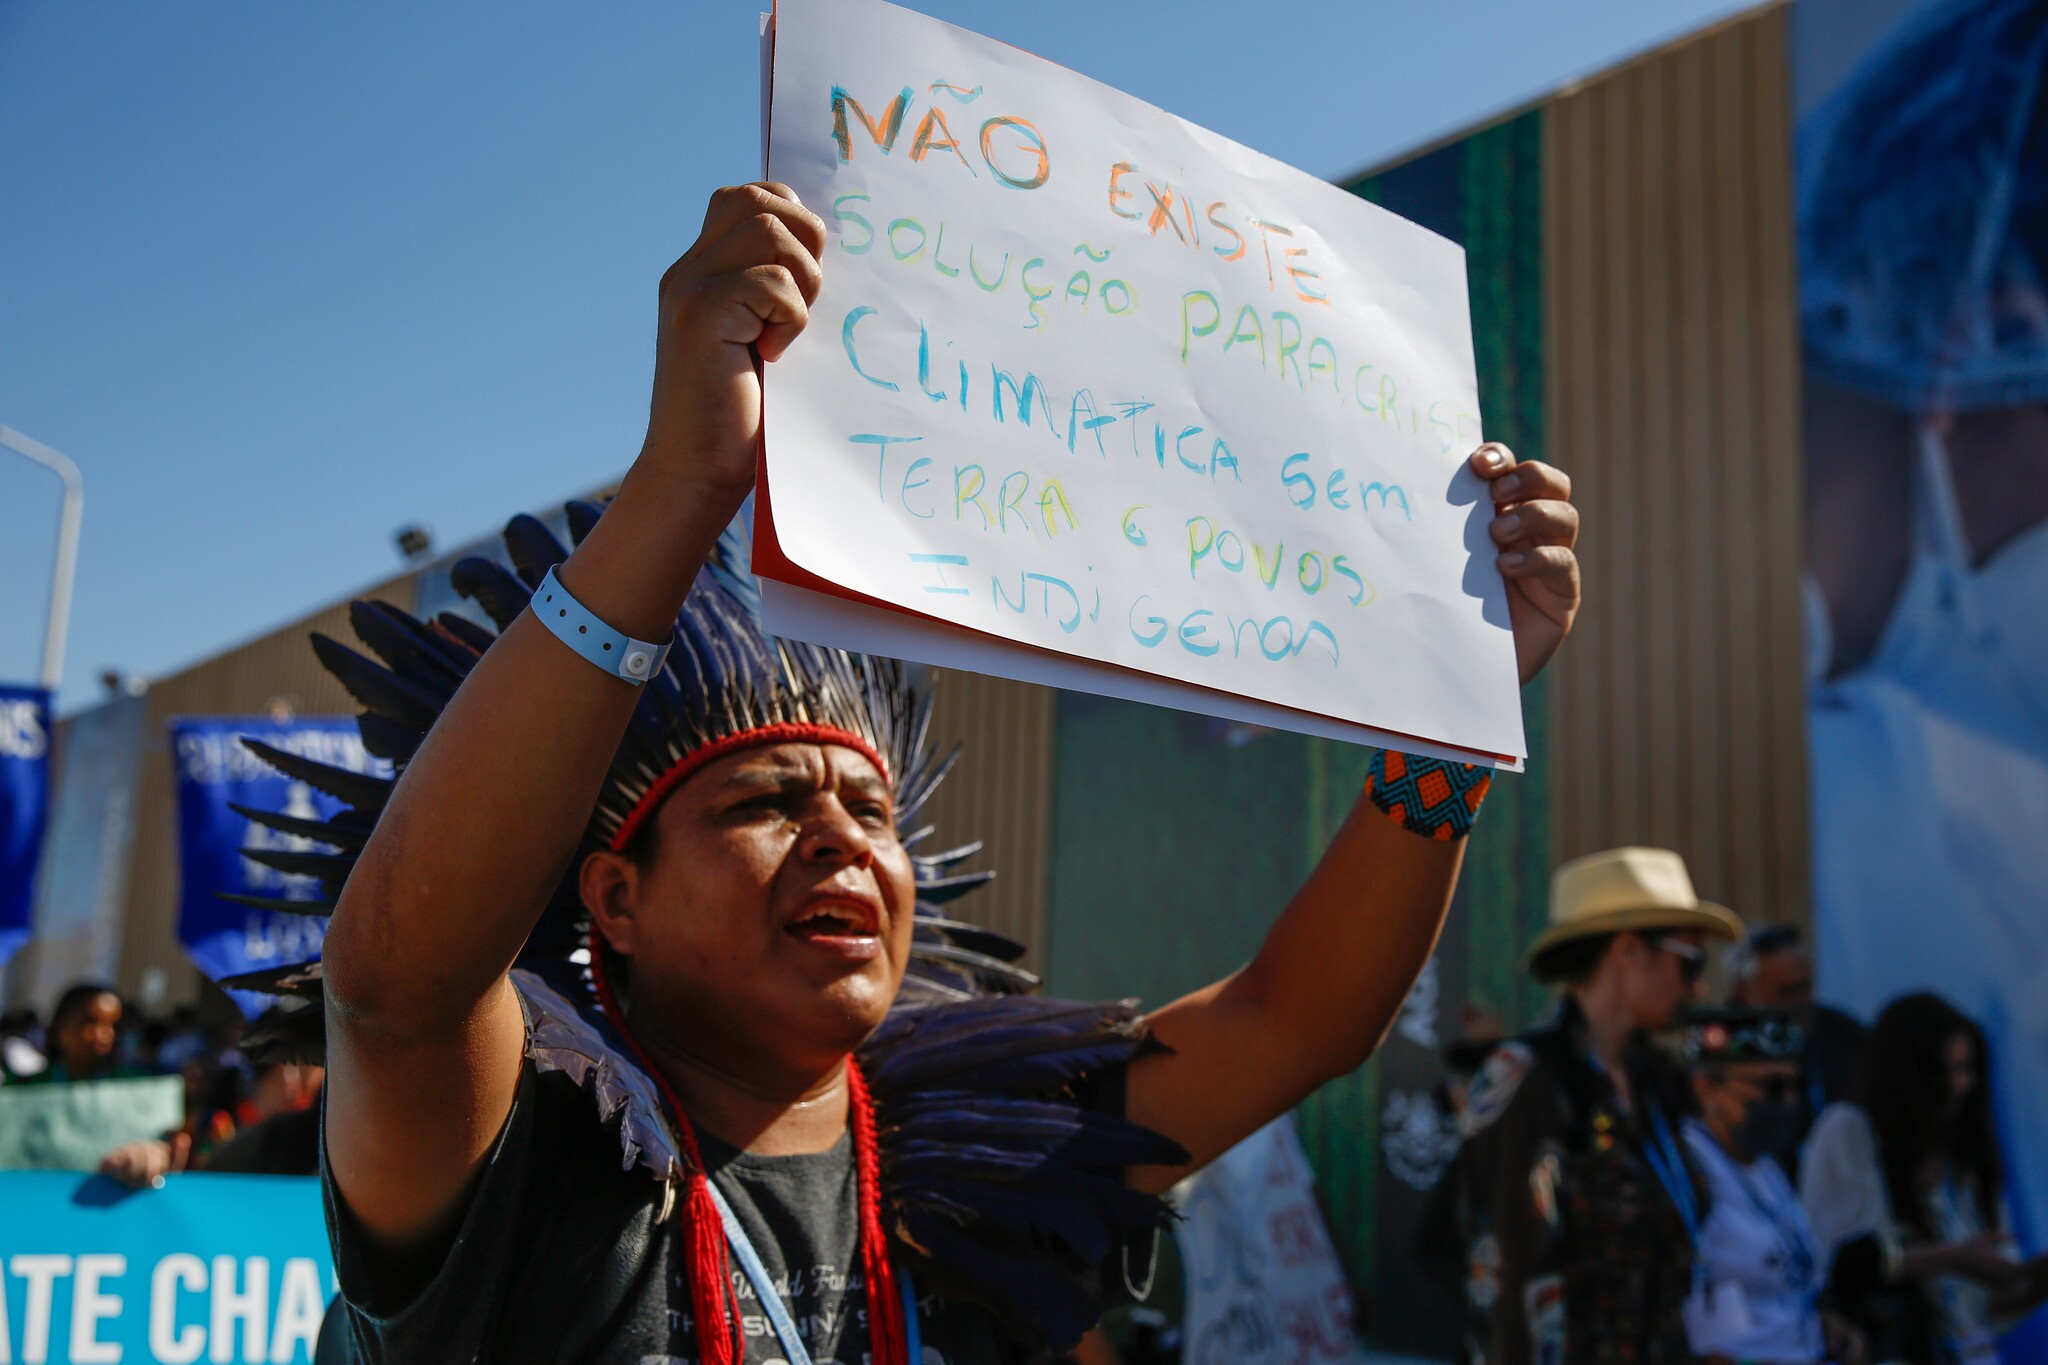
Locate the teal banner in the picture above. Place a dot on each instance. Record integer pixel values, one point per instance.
(210, 1267)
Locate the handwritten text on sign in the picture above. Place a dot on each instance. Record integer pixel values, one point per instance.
(1086, 377)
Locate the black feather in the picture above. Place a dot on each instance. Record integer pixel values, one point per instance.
(970, 936)
(1087, 1138)
(1015, 1043)
(293, 1030)
(297, 978)
(342, 831)
(466, 631)
(533, 548)
(941, 861)
(1011, 1190)
(394, 741)
(378, 688)
(942, 890)
(357, 789)
(582, 518)
(1000, 977)
(1042, 1301)
(297, 863)
(278, 904)
(491, 586)
(408, 646)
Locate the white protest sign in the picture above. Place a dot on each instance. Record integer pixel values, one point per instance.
(1095, 397)
(1263, 1282)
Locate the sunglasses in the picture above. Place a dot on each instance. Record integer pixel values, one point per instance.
(1692, 961)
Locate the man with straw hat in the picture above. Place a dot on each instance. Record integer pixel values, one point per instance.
(1575, 1203)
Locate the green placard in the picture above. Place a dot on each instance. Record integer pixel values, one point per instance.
(70, 1126)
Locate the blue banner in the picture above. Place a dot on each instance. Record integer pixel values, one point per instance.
(25, 735)
(214, 771)
(210, 1267)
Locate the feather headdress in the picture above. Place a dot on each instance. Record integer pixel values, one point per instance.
(724, 678)
(979, 1163)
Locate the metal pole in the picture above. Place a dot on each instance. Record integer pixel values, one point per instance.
(67, 547)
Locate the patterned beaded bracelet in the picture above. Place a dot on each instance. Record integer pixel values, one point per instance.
(1427, 796)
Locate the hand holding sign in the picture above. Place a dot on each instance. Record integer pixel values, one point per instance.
(1536, 527)
(743, 289)
(1098, 398)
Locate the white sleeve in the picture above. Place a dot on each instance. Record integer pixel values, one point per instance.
(1840, 1181)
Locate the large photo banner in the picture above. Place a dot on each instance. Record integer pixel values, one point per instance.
(1095, 397)
(215, 774)
(25, 735)
(208, 1268)
(1923, 241)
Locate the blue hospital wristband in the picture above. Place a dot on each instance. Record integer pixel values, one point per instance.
(576, 626)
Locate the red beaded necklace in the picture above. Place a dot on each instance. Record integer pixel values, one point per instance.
(703, 1234)
(717, 1321)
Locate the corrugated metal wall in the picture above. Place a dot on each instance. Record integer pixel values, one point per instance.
(242, 681)
(1674, 404)
(999, 792)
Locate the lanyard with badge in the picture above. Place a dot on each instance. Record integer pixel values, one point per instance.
(1788, 1228)
(1667, 1163)
(1661, 1153)
(1716, 1310)
(793, 1349)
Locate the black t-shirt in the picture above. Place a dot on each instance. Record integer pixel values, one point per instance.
(801, 1214)
(565, 1255)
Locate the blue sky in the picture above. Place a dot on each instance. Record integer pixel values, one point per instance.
(282, 278)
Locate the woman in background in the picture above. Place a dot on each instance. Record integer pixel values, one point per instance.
(85, 1030)
(1906, 1193)
(1572, 1204)
(1757, 1294)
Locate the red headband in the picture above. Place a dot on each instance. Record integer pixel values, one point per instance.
(789, 732)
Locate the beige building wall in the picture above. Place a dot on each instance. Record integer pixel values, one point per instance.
(1674, 404)
(247, 680)
(999, 792)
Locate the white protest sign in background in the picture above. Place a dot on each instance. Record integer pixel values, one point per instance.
(1087, 379)
(1263, 1282)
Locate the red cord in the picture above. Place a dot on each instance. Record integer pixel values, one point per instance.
(704, 1232)
(888, 1337)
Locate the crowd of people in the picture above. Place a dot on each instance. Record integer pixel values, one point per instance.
(243, 1114)
(1645, 1177)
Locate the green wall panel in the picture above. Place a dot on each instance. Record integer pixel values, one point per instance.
(1176, 838)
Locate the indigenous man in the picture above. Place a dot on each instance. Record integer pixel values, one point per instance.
(741, 1154)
